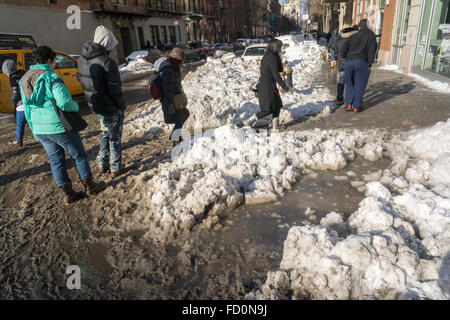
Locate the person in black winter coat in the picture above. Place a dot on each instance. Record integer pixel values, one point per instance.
(100, 79)
(269, 97)
(339, 44)
(173, 100)
(359, 54)
(9, 68)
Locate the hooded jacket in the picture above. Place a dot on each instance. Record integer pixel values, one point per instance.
(342, 39)
(360, 46)
(99, 74)
(37, 91)
(171, 85)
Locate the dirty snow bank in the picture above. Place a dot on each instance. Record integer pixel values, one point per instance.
(437, 86)
(396, 246)
(226, 167)
(135, 69)
(219, 93)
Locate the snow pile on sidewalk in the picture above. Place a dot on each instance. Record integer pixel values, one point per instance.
(135, 69)
(229, 166)
(219, 92)
(438, 86)
(396, 246)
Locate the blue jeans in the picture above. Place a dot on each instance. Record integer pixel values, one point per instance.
(332, 55)
(341, 86)
(110, 141)
(20, 125)
(55, 145)
(356, 77)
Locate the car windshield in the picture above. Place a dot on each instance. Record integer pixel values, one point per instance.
(257, 51)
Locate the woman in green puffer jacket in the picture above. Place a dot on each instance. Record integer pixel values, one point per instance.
(38, 87)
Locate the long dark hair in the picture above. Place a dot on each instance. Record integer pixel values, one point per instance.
(274, 47)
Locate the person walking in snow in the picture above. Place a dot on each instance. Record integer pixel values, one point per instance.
(332, 42)
(9, 68)
(359, 51)
(42, 91)
(268, 95)
(346, 32)
(100, 79)
(173, 100)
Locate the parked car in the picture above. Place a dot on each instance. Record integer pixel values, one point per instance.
(237, 46)
(75, 56)
(239, 53)
(20, 49)
(202, 49)
(223, 47)
(254, 52)
(150, 55)
(191, 54)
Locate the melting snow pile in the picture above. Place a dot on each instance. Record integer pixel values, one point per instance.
(219, 92)
(228, 166)
(396, 246)
(135, 69)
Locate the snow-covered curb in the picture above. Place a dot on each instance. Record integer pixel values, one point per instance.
(437, 86)
(396, 246)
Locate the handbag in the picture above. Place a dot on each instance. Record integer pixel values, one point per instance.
(180, 100)
(71, 121)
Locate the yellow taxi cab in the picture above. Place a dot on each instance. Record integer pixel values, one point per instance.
(20, 49)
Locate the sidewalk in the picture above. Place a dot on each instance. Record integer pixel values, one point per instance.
(392, 101)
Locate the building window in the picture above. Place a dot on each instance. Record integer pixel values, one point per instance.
(433, 41)
(163, 34)
(172, 34)
(172, 5)
(141, 36)
(157, 4)
(53, 1)
(154, 32)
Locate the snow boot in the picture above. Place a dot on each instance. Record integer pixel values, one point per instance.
(91, 187)
(348, 108)
(250, 121)
(70, 196)
(339, 102)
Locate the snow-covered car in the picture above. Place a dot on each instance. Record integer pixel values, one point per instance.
(144, 55)
(254, 52)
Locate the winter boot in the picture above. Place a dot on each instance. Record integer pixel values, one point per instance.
(348, 108)
(250, 121)
(91, 187)
(339, 102)
(70, 196)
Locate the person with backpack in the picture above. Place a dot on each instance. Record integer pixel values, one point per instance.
(100, 78)
(359, 54)
(167, 86)
(9, 68)
(346, 32)
(268, 95)
(42, 92)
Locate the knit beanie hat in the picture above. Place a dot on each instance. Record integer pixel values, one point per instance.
(9, 66)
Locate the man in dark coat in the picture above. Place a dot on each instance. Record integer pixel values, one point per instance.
(9, 68)
(268, 94)
(100, 79)
(359, 52)
(169, 67)
(347, 32)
